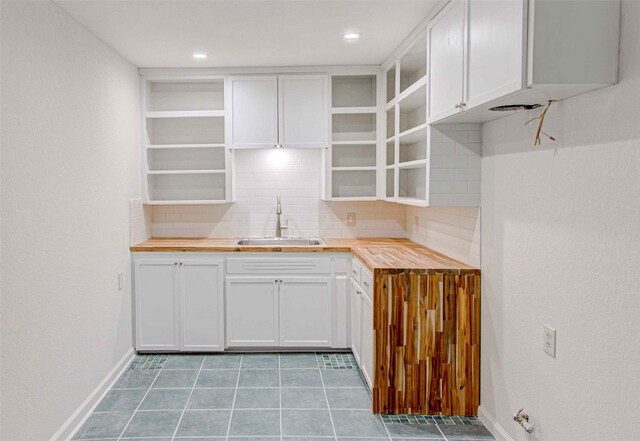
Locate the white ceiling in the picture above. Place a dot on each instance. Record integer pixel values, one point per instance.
(152, 33)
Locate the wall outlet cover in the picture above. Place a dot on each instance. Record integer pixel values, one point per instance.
(351, 219)
(120, 281)
(550, 340)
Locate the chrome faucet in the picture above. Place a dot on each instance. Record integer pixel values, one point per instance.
(279, 225)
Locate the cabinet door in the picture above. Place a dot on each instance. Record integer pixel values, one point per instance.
(446, 60)
(495, 41)
(202, 307)
(252, 311)
(157, 307)
(306, 311)
(355, 315)
(366, 339)
(304, 110)
(253, 119)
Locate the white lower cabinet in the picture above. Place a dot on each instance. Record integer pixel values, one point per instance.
(361, 315)
(306, 308)
(366, 339)
(355, 305)
(279, 311)
(202, 305)
(252, 311)
(157, 305)
(179, 305)
(206, 302)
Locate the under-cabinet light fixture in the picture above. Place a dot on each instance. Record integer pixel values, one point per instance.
(351, 36)
(200, 55)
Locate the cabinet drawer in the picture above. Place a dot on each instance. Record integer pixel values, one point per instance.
(366, 282)
(254, 266)
(356, 269)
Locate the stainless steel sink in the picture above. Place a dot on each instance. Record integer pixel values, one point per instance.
(280, 241)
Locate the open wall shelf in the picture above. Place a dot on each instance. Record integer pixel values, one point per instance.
(413, 109)
(186, 159)
(187, 187)
(413, 65)
(196, 130)
(185, 95)
(351, 164)
(354, 183)
(210, 158)
(353, 91)
(354, 127)
(354, 155)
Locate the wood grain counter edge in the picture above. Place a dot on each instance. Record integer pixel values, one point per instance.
(379, 255)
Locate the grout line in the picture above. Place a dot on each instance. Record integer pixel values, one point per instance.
(442, 433)
(385, 427)
(235, 394)
(280, 393)
(140, 403)
(324, 390)
(243, 387)
(241, 408)
(188, 398)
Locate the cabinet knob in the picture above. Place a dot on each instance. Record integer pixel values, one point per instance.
(459, 106)
(175, 263)
(365, 283)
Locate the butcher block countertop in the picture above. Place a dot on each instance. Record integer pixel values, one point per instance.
(379, 255)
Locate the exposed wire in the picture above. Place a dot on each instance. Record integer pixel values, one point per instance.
(540, 118)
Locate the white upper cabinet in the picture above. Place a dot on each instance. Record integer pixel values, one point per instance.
(303, 110)
(253, 122)
(445, 64)
(483, 54)
(494, 52)
(287, 110)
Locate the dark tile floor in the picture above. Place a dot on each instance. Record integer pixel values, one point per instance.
(259, 397)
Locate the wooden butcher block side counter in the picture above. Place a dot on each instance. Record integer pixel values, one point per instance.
(426, 320)
(426, 331)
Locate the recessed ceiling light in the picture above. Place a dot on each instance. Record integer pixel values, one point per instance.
(351, 35)
(200, 55)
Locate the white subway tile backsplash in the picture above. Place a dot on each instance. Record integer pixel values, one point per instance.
(442, 148)
(295, 174)
(454, 231)
(260, 176)
(470, 174)
(139, 221)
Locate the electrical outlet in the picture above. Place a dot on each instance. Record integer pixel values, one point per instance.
(120, 281)
(416, 223)
(550, 340)
(351, 219)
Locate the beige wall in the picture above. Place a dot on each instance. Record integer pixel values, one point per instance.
(70, 164)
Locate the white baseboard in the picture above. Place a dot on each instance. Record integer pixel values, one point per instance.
(492, 425)
(69, 428)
